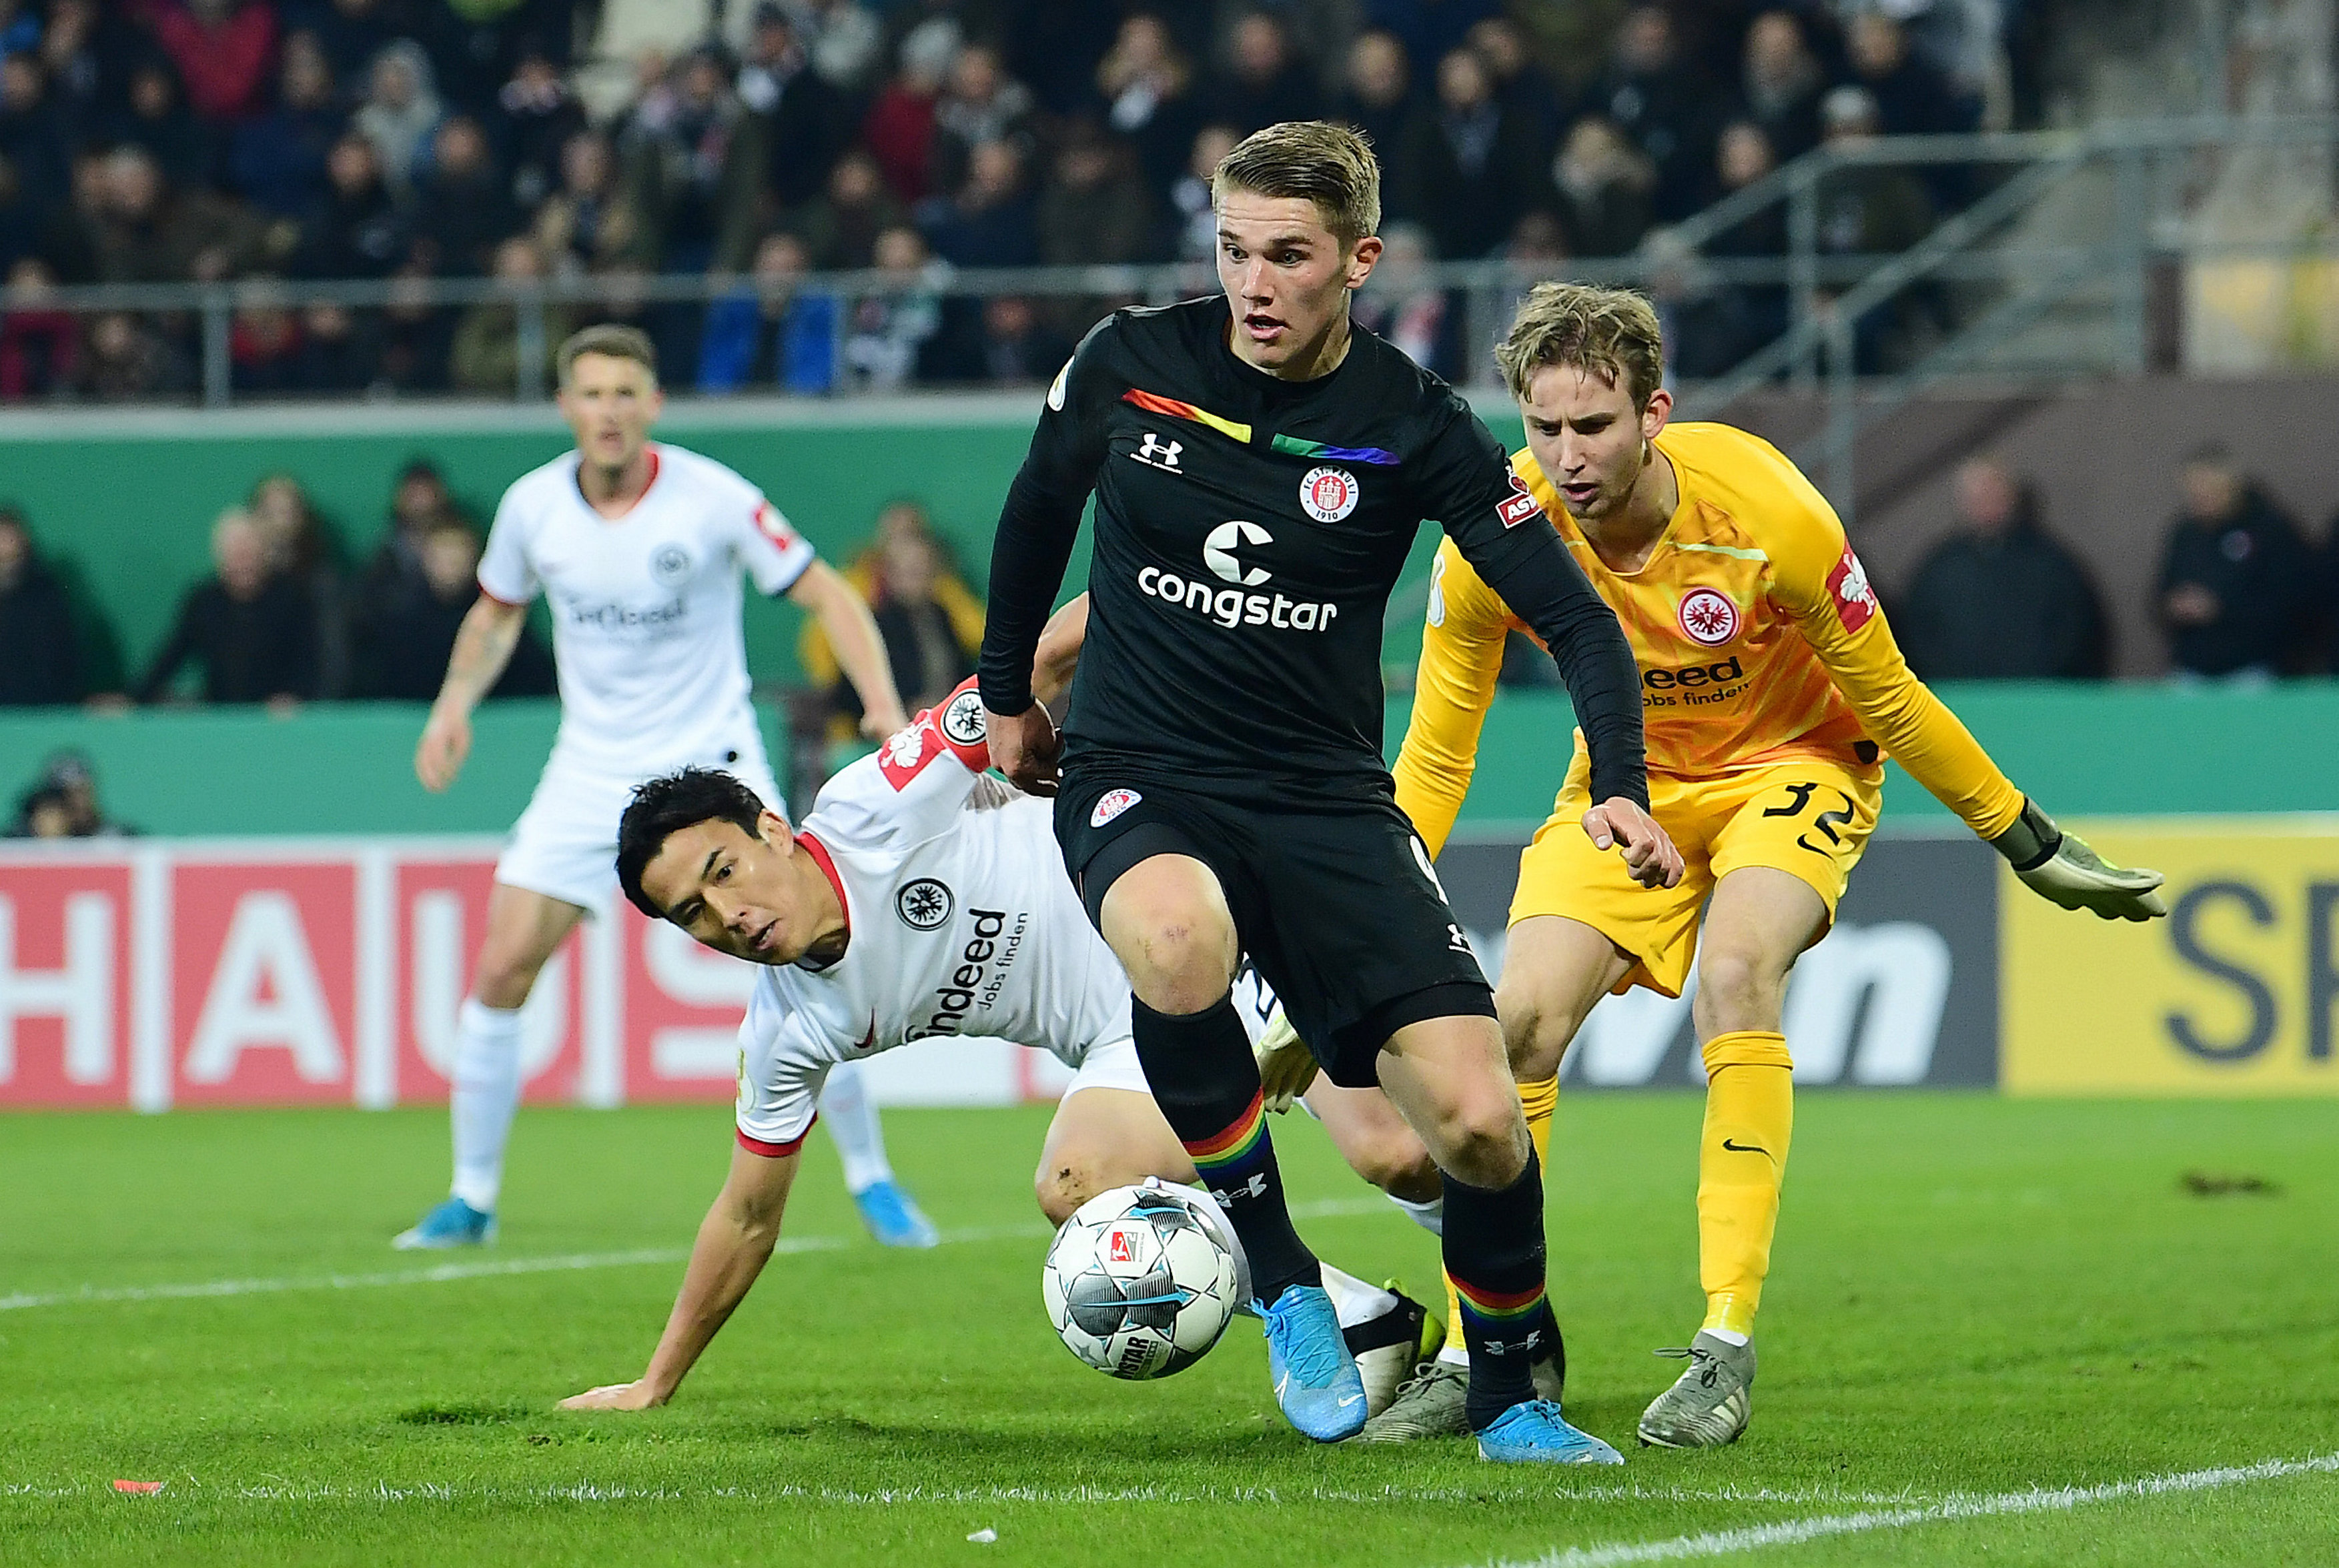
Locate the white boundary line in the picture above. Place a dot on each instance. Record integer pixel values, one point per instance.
(485, 1268)
(1794, 1532)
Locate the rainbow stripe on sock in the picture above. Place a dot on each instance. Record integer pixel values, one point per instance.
(1290, 446)
(1234, 1146)
(1502, 1312)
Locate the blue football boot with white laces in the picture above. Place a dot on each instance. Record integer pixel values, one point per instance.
(1533, 1432)
(453, 1223)
(1316, 1378)
(893, 1217)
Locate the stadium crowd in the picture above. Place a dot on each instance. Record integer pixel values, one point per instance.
(177, 141)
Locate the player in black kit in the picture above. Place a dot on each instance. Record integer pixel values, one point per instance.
(1261, 468)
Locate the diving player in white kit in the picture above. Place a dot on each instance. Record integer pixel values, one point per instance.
(920, 900)
(638, 548)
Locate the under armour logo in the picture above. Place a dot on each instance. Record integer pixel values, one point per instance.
(1457, 940)
(1157, 453)
(1255, 1187)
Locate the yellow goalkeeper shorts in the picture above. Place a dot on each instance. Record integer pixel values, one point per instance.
(1809, 818)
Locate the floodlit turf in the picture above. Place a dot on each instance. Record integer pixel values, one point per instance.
(1971, 1298)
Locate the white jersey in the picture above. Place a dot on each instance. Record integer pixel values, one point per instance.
(645, 606)
(962, 923)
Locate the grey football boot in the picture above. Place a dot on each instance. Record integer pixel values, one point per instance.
(1707, 1406)
(1435, 1403)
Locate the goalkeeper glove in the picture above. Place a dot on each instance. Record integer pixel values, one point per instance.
(1285, 1066)
(2060, 868)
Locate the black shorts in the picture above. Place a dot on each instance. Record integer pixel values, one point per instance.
(1335, 904)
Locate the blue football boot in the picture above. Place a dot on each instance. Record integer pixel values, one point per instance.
(453, 1223)
(1316, 1378)
(1533, 1432)
(893, 1217)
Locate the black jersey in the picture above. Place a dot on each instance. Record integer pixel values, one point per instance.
(1248, 532)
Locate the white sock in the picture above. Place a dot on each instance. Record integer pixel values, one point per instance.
(1353, 1300)
(853, 1123)
(1449, 1356)
(485, 1092)
(1727, 1335)
(1429, 1216)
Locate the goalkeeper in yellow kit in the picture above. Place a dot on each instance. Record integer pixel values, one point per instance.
(1772, 689)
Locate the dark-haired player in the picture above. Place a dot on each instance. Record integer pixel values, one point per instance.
(1261, 468)
(920, 900)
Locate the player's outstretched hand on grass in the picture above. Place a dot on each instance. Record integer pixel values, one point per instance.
(1649, 854)
(446, 741)
(2061, 867)
(614, 1397)
(1025, 747)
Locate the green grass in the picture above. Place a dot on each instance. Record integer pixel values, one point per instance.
(1970, 1296)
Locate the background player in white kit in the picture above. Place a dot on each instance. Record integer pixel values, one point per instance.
(638, 550)
(917, 901)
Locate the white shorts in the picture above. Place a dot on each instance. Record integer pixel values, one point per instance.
(565, 844)
(1112, 1065)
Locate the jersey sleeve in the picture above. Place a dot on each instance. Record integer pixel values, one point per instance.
(779, 1079)
(1465, 481)
(506, 573)
(913, 786)
(1817, 579)
(1461, 654)
(1041, 517)
(773, 553)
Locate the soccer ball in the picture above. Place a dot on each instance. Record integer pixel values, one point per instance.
(1139, 1282)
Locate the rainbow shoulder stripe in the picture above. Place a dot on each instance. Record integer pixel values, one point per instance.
(1290, 446)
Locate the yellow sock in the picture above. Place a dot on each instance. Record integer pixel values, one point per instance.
(1742, 1158)
(1540, 1101)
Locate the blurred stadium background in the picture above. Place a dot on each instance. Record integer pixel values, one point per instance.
(2044, 293)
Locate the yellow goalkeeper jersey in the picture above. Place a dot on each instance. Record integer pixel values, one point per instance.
(1757, 638)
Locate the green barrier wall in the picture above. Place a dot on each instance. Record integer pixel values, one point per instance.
(2114, 751)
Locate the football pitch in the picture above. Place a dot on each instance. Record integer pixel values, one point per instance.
(2019, 1332)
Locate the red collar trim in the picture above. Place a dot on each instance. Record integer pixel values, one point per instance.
(647, 485)
(820, 857)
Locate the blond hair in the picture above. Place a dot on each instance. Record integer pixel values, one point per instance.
(1318, 161)
(608, 338)
(1612, 334)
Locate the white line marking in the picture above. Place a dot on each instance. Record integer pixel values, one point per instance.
(442, 1273)
(1794, 1532)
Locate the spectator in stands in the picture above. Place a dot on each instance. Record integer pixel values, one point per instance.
(900, 129)
(128, 359)
(590, 222)
(1094, 210)
(63, 802)
(1263, 83)
(39, 344)
(1873, 210)
(21, 219)
(153, 115)
(798, 114)
(1400, 304)
(1652, 92)
(771, 330)
(1606, 185)
(1020, 344)
(266, 353)
(247, 626)
(694, 166)
(1523, 87)
(1376, 89)
(354, 229)
(1429, 29)
(401, 108)
(1147, 87)
(338, 350)
(840, 229)
(931, 620)
(416, 336)
(2234, 575)
(845, 42)
(1709, 325)
(32, 137)
(2000, 599)
(1466, 171)
(1913, 96)
(980, 106)
(303, 550)
(463, 206)
(223, 49)
(278, 159)
(484, 357)
(536, 115)
(1196, 236)
(150, 233)
(39, 652)
(354, 33)
(990, 222)
(1781, 84)
(890, 330)
(416, 635)
(81, 48)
